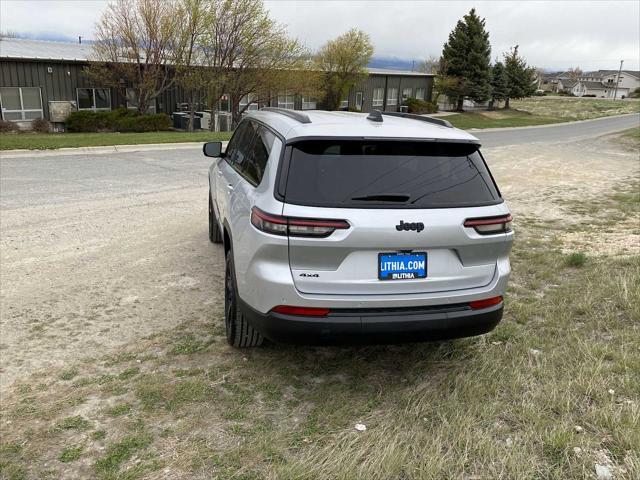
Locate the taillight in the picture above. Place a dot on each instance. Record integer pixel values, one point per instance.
(485, 303)
(301, 311)
(295, 227)
(489, 225)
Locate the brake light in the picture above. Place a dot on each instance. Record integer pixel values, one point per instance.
(295, 227)
(301, 311)
(490, 225)
(485, 303)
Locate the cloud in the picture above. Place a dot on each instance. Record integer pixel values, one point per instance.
(555, 34)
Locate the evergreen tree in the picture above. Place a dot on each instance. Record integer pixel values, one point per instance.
(499, 84)
(466, 56)
(520, 77)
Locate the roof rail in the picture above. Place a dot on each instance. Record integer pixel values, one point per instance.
(437, 121)
(300, 117)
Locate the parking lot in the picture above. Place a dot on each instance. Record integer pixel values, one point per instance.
(100, 253)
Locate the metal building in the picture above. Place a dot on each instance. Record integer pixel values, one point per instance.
(43, 79)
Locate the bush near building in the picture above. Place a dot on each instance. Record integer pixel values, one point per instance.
(119, 120)
(6, 127)
(420, 106)
(41, 125)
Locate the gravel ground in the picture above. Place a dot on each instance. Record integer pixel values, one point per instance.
(100, 252)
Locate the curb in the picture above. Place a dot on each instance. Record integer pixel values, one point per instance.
(58, 152)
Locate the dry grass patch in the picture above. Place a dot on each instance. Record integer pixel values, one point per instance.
(183, 405)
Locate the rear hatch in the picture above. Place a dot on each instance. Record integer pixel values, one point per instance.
(404, 201)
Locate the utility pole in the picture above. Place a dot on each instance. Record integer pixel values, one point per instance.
(615, 92)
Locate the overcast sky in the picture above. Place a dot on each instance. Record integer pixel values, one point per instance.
(553, 35)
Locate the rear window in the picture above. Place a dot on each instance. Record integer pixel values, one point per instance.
(388, 174)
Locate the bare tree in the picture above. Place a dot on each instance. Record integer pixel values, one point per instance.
(246, 52)
(138, 45)
(574, 73)
(343, 61)
(195, 17)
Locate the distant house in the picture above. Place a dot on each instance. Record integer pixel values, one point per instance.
(596, 88)
(549, 81)
(570, 86)
(602, 83)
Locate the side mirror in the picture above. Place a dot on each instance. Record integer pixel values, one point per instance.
(212, 149)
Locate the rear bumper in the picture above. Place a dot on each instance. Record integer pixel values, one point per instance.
(388, 325)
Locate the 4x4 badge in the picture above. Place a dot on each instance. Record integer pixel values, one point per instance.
(418, 227)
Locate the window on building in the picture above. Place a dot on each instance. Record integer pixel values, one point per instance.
(420, 93)
(406, 93)
(359, 99)
(247, 103)
(133, 101)
(94, 99)
(21, 103)
(308, 103)
(286, 100)
(392, 96)
(378, 97)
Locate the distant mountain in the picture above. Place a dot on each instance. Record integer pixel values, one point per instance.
(394, 63)
(48, 36)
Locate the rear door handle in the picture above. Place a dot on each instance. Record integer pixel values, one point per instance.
(219, 173)
(229, 186)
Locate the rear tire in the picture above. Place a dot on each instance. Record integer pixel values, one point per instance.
(239, 333)
(215, 235)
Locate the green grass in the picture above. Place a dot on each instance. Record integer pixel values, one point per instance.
(73, 423)
(542, 111)
(499, 119)
(48, 141)
(70, 454)
(576, 259)
(108, 467)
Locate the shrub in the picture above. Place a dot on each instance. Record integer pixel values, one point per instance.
(590, 95)
(41, 125)
(577, 259)
(421, 106)
(7, 126)
(539, 93)
(119, 120)
(635, 93)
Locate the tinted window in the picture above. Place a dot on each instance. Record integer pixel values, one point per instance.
(387, 174)
(258, 153)
(249, 150)
(237, 149)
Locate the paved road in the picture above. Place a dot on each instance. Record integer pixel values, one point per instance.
(559, 132)
(45, 180)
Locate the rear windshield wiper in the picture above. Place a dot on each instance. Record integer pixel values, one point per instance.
(384, 197)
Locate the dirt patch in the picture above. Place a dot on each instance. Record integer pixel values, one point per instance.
(547, 184)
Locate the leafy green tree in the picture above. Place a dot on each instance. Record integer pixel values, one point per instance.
(499, 84)
(343, 62)
(467, 56)
(521, 78)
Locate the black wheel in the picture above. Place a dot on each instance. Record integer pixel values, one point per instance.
(215, 235)
(239, 333)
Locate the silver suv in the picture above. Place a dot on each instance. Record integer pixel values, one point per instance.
(343, 227)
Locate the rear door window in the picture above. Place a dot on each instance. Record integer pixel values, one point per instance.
(388, 174)
(249, 150)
